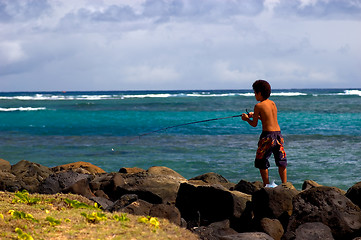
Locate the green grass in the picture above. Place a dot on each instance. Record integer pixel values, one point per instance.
(68, 216)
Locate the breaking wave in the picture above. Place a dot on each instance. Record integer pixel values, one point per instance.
(22, 109)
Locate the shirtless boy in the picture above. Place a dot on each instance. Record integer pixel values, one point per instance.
(271, 140)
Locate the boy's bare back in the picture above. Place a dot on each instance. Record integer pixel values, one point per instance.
(267, 112)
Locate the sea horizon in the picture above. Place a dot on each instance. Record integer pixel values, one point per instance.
(176, 90)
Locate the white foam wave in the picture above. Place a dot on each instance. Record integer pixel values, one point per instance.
(58, 97)
(195, 94)
(158, 95)
(250, 94)
(351, 92)
(207, 94)
(289, 94)
(89, 97)
(118, 96)
(22, 109)
(42, 97)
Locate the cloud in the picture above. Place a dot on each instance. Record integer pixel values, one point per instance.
(113, 13)
(146, 74)
(227, 74)
(162, 11)
(209, 10)
(319, 9)
(11, 52)
(18, 10)
(178, 44)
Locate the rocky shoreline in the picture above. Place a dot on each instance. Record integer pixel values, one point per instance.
(208, 205)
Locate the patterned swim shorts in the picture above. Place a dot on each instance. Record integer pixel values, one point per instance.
(270, 142)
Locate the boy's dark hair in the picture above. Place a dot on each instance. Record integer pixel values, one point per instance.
(263, 87)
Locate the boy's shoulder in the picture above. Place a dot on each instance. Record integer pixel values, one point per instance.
(266, 103)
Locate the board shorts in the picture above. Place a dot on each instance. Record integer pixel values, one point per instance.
(270, 142)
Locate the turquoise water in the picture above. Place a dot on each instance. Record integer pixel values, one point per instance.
(322, 130)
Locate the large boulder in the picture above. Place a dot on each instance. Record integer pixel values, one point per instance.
(274, 203)
(155, 186)
(122, 202)
(108, 183)
(248, 187)
(104, 203)
(247, 236)
(354, 194)
(212, 178)
(22, 175)
(164, 171)
(29, 174)
(139, 207)
(131, 204)
(214, 231)
(7, 179)
(62, 181)
(79, 167)
(329, 206)
(5, 165)
(8, 182)
(205, 204)
(131, 170)
(310, 184)
(81, 187)
(313, 231)
(272, 227)
(166, 211)
(310, 231)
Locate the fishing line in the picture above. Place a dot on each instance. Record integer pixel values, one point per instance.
(183, 124)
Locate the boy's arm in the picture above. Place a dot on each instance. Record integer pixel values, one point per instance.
(256, 115)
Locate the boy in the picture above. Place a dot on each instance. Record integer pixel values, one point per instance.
(271, 140)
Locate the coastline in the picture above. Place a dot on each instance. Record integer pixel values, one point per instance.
(208, 205)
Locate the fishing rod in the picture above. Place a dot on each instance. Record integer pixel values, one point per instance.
(183, 124)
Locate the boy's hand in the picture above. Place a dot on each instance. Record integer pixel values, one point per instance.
(244, 117)
(247, 115)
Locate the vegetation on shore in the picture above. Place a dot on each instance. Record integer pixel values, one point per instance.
(68, 216)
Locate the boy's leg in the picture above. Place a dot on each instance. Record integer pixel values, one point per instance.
(283, 173)
(264, 175)
(263, 153)
(280, 158)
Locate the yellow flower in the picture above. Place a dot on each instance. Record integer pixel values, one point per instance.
(154, 221)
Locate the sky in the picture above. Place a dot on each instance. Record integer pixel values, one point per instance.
(88, 45)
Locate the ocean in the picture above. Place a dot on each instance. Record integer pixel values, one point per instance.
(321, 127)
